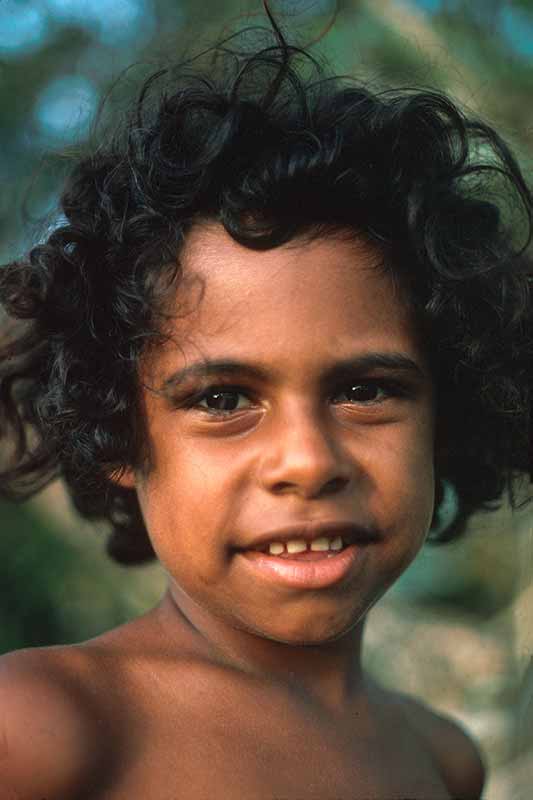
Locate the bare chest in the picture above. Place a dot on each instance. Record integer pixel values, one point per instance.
(264, 755)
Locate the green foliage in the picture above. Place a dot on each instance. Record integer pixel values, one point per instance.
(51, 592)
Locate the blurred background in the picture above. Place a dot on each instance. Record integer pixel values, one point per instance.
(457, 628)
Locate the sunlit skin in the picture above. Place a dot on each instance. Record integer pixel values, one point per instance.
(289, 449)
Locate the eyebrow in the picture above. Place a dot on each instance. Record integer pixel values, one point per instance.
(393, 361)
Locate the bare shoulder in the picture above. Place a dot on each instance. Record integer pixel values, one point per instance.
(47, 721)
(456, 754)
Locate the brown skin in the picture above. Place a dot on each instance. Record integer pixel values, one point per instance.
(233, 687)
(290, 452)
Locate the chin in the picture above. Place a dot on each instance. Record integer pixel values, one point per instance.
(313, 633)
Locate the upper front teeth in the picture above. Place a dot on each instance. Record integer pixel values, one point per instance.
(299, 545)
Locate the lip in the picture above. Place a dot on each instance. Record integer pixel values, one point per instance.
(350, 531)
(328, 571)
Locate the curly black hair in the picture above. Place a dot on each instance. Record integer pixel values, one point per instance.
(269, 144)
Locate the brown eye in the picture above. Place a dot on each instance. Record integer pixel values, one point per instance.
(365, 393)
(222, 398)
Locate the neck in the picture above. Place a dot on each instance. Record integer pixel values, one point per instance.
(327, 675)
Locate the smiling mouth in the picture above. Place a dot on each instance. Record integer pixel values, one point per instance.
(308, 555)
(329, 568)
(300, 549)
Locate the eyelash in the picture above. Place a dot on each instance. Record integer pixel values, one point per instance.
(390, 387)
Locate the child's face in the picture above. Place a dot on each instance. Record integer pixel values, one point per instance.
(292, 447)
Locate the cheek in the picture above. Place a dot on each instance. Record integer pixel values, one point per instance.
(184, 505)
(420, 479)
(409, 478)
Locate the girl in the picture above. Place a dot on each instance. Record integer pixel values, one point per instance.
(279, 313)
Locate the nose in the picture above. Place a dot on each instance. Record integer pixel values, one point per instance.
(304, 457)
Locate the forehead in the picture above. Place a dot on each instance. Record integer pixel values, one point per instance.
(324, 298)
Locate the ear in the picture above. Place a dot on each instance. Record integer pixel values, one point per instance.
(125, 478)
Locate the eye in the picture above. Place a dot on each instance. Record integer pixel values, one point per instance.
(222, 395)
(225, 398)
(368, 392)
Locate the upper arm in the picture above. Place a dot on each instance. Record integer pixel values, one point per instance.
(463, 766)
(457, 756)
(43, 738)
